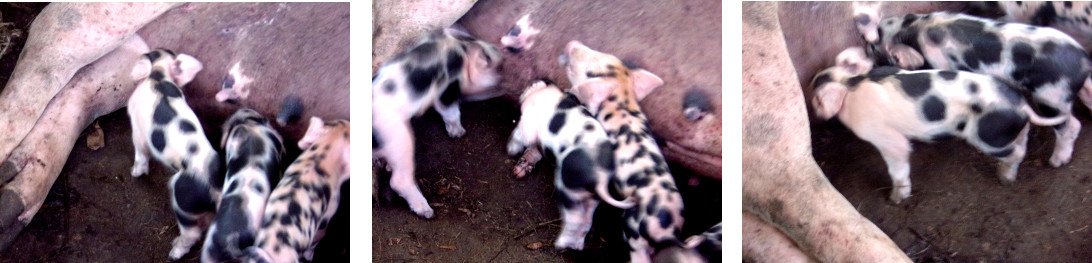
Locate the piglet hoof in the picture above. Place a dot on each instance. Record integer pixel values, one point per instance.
(426, 213)
(564, 242)
(178, 251)
(139, 170)
(1057, 161)
(523, 167)
(900, 193)
(455, 130)
(309, 254)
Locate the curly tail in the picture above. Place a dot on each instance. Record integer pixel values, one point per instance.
(1042, 121)
(601, 190)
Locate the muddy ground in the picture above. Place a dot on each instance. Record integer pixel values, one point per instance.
(958, 210)
(483, 214)
(96, 212)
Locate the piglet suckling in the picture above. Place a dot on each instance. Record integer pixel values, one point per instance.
(887, 107)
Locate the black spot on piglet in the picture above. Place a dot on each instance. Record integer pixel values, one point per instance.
(999, 128)
(948, 74)
(163, 113)
(186, 126)
(577, 170)
(915, 85)
(568, 102)
(934, 108)
(557, 122)
(168, 89)
(157, 75)
(159, 141)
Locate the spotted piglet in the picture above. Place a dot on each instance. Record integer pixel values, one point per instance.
(307, 197)
(557, 121)
(887, 107)
(611, 90)
(1047, 63)
(253, 151)
(444, 68)
(165, 127)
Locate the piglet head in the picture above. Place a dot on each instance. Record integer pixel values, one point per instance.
(333, 133)
(594, 75)
(520, 37)
(182, 68)
(886, 50)
(185, 68)
(853, 61)
(866, 16)
(481, 65)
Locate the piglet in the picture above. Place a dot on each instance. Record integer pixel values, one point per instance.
(307, 196)
(253, 151)
(888, 106)
(166, 128)
(557, 121)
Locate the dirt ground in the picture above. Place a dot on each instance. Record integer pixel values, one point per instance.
(483, 214)
(958, 210)
(96, 212)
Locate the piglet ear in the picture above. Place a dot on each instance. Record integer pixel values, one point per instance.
(645, 82)
(828, 100)
(184, 69)
(594, 92)
(906, 57)
(345, 162)
(314, 131)
(141, 70)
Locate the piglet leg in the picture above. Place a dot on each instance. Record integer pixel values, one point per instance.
(64, 38)
(98, 89)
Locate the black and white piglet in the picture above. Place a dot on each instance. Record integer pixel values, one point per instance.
(307, 196)
(1048, 63)
(253, 151)
(557, 121)
(165, 127)
(445, 67)
(887, 107)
